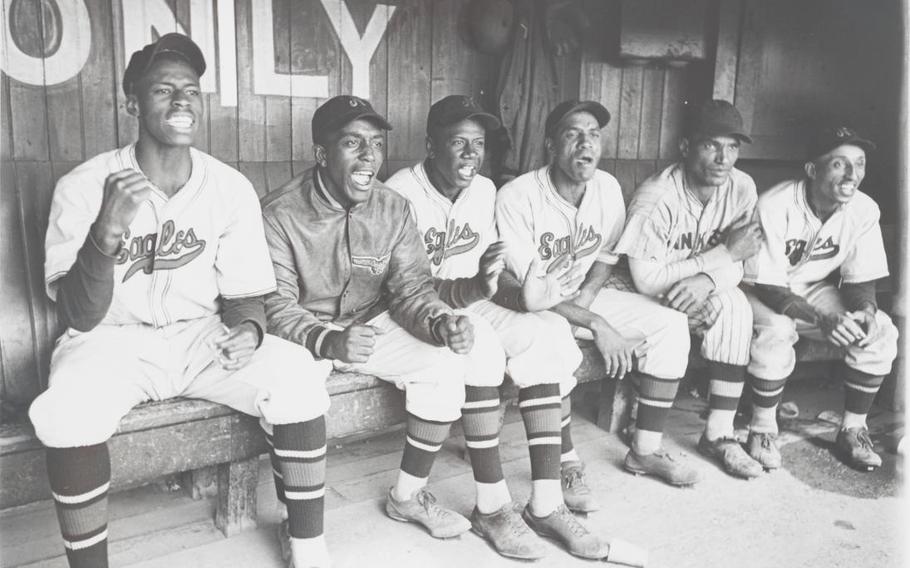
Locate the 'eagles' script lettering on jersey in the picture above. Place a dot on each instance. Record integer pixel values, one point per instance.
(691, 241)
(587, 241)
(456, 240)
(149, 252)
(796, 248)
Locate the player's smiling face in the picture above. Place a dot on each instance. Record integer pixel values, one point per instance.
(709, 161)
(350, 160)
(456, 154)
(835, 177)
(576, 146)
(168, 102)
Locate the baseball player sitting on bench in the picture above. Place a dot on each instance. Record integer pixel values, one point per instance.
(689, 227)
(570, 208)
(818, 227)
(354, 287)
(157, 261)
(454, 207)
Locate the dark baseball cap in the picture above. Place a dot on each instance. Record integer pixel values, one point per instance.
(566, 108)
(716, 118)
(340, 110)
(455, 108)
(829, 137)
(178, 44)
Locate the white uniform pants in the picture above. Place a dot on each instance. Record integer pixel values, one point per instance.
(96, 377)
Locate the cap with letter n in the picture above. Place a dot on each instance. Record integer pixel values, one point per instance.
(716, 118)
(455, 108)
(829, 137)
(566, 108)
(340, 110)
(172, 43)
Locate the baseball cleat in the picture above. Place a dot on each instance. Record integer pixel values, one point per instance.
(422, 508)
(661, 464)
(575, 490)
(316, 557)
(508, 533)
(763, 448)
(855, 447)
(731, 456)
(562, 525)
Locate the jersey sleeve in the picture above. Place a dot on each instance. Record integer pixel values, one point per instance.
(74, 207)
(867, 260)
(242, 262)
(769, 266)
(515, 224)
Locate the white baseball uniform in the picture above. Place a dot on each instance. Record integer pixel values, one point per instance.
(539, 347)
(800, 252)
(179, 257)
(533, 219)
(668, 224)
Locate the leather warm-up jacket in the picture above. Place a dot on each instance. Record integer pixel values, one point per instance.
(345, 266)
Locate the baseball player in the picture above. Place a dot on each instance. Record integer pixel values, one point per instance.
(354, 287)
(689, 227)
(571, 209)
(143, 246)
(815, 228)
(454, 208)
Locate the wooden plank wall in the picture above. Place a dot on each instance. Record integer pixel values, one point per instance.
(46, 130)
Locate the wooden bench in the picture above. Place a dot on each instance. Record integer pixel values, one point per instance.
(219, 448)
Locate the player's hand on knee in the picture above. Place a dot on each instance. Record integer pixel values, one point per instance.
(492, 263)
(868, 323)
(619, 352)
(559, 283)
(237, 345)
(124, 192)
(354, 344)
(744, 238)
(689, 294)
(457, 332)
(841, 329)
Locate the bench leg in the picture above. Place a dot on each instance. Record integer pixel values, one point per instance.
(615, 404)
(236, 509)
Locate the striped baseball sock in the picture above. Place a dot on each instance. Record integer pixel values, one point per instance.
(568, 448)
(766, 395)
(80, 479)
(298, 451)
(655, 399)
(540, 408)
(424, 438)
(859, 393)
(480, 420)
(726, 388)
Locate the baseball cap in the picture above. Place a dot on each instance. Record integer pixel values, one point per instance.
(340, 110)
(178, 44)
(566, 108)
(455, 108)
(716, 118)
(830, 137)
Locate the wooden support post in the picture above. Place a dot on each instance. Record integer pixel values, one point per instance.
(236, 509)
(616, 399)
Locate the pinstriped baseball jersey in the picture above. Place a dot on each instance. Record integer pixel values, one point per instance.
(799, 250)
(534, 220)
(667, 222)
(455, 235)
(180, 253)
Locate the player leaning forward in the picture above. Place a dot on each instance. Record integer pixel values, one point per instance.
(813, 227)
(454, 208)
(688, 230)
(143, 245)
(570, 208)
(354, 287)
